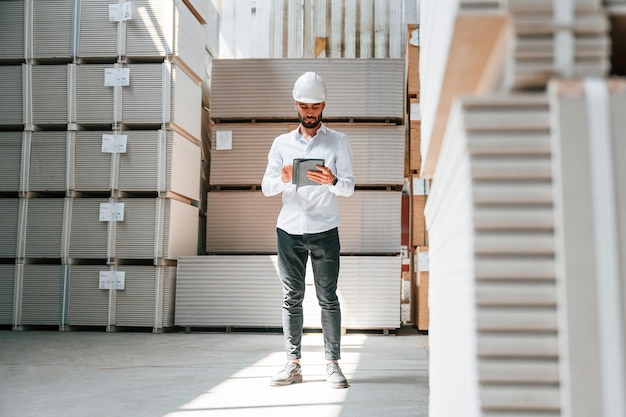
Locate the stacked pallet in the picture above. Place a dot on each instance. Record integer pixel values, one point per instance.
(365, 102)
(100, 144)
(522, 210)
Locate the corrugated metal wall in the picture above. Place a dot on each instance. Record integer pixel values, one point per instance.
(314, 28)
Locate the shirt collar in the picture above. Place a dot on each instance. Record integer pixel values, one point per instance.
(322, 129)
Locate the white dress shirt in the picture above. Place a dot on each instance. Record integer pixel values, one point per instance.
(311, 208)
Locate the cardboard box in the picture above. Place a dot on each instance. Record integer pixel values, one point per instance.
(419, 193)
(412, 61)
(422, 276)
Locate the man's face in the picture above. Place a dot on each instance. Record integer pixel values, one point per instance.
(310, 115)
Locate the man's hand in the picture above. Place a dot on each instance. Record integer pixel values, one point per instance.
(323, 176)
(287, 173)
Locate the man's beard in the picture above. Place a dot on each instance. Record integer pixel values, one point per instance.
(311, 125)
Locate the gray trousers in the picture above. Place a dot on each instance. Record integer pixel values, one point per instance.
(293, 253)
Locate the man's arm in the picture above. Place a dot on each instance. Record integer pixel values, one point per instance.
(345, 177)
(276, 175)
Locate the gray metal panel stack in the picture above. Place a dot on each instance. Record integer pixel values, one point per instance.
(48, 161)
(43, 232)
(91, 168)
(155, 229)
(7, 284)
(86, 307)
(368, 291)
(52, 28)
(88, 236)
(95, 102)
(147, 289)
(12, 31)
(82, 140)
(216, 291)
(9, 225)
(97, 37)
(10, 160)
(236, 291)
(12, 105)
(41, 286)
(150, 31)
(50, 98)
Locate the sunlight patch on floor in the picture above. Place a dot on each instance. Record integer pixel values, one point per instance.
(247, 392)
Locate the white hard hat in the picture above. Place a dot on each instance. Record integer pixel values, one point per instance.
(309, 88)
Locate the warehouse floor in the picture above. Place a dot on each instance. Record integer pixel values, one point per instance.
(134, 374)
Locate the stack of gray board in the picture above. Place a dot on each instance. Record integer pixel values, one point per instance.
(64, 123)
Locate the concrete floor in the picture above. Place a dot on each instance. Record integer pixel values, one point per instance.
(92, 374)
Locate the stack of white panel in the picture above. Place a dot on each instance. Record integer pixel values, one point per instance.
(357, 88)
(492, 266)
(153, 30)
(98, 37)
(87, 305)
(557, 39)
(9, 221)
(10, 160)
(155, 94)
(160, 228)
(245, 222)
(47, 153)
(88, 237)
(48, 161)
(57, 173)
(40, 294)
(551, 39)
(376, 150)
(148, 289)
(12, 105)
(52, 29)
(12, 30)
(590, 204)
(245, 291)
(49, 95)
(7, 284)
(43, 224)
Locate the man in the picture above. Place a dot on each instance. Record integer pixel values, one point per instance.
(307, 224)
